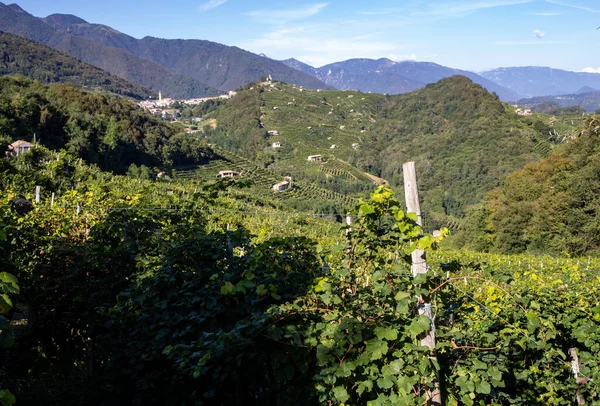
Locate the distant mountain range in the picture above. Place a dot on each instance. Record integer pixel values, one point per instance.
(194, 68)
(589, 101)
(19, 55)
(386, 76)
(534, 81)
(179, 68)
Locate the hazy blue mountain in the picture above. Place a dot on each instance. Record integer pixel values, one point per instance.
(586, 89)
(588, 101)
(387, 76)
(534, 81)
(119, 62)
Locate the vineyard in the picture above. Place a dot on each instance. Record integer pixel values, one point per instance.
(185, 289)
(337, 167)
(172, 286)
(262, 180)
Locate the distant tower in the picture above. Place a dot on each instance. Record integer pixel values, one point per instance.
(159, 96)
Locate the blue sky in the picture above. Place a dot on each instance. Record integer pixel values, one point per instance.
(467, 34)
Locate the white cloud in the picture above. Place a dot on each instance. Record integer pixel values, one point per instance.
(209, 5)
(461, 8)
(547, 14)
(399, 58)
(380, 12)
(273, 16)
(590, 70)
(539, 34)
(572, 5)
(517, 43)
(321, 44)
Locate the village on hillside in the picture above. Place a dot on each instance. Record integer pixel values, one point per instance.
(166, 108)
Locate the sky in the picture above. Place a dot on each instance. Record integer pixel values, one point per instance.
(475, 35)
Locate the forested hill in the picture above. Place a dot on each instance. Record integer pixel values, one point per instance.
(547, 207)
(463, 139)
(106, 130)
(20, 55)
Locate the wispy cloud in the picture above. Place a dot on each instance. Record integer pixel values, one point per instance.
(398, 58)
(381, 12)
(590, 70)
(573, 5)
(209, 5)
(547, 14)
(539, 34)
(529, 42)
(320, 44)
(461, 8)
(272, 16)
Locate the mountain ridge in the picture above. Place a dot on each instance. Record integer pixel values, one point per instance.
(19, 55)
(589, 101)
(536, 81)
(116, 61)
(220, 66)
(386, 76)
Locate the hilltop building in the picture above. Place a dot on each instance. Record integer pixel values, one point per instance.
(315, 158)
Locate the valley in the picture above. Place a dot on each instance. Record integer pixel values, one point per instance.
(187, 222)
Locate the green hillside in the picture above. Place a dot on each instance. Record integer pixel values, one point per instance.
(116, 134)
(187, 289)
(463, 139)
(102, 129)
(549, 206)
(299, 194)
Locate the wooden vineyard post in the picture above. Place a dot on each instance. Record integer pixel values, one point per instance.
(419, 266)
(349, 223)
(230, 244)
(38, 189)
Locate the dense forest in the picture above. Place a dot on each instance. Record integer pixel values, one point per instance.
(549, 206)
(111, 132)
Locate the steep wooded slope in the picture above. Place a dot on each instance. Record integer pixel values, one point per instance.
(19, 55)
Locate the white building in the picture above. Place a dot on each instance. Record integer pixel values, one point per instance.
(281, 186)
(18, 147)
(227, 174)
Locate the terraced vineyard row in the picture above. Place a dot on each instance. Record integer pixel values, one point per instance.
(340, 168)
(262, 178)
